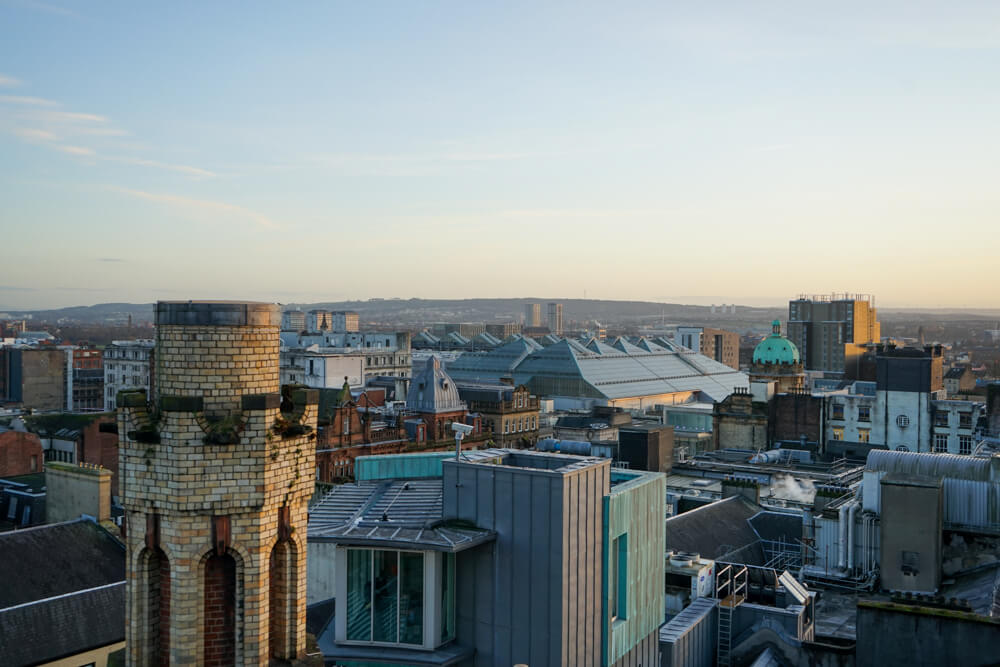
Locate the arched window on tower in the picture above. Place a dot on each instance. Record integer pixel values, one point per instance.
(220, 611)
(156, 598)
(283, 600)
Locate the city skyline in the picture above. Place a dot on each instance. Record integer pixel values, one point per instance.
(677, 154)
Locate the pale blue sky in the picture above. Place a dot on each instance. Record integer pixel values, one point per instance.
(701, 152)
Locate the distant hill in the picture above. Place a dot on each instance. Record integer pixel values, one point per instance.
(417, 312)
(422, 311)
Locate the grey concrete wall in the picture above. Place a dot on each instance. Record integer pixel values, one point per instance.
(912, 516)
(897, 635)
(532, 596)
(321, 566)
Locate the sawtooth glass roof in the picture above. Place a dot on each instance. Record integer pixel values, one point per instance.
(623, 369)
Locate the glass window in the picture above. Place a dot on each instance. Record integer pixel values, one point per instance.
(838, 433)
(618, 578)
(965, 420)
(965, 444)
(386, 597)
(837, 411)
(359, 587)
(940, 443)
(864, 435)
(864, 414)
(411, 598)
(447, 597)
(940, 418)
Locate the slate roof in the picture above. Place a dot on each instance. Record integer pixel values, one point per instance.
(62, 592)
(776, 526)
(716, 530)
(56, 559)
(391, 514)
(62, 626)
(955, 373)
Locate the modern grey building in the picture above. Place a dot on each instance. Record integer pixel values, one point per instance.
(501, 558)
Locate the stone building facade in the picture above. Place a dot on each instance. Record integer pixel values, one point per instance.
(215, 481)
(738, 421)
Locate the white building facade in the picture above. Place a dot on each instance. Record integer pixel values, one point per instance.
(126, 366)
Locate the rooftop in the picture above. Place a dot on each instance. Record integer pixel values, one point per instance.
(391, 514)
(56, 559)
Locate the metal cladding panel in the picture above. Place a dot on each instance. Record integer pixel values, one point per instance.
(872, 490)
(637, 509)
(827, 542)
(646, 652)
(968, 503)
(396, 466)
(689, 639)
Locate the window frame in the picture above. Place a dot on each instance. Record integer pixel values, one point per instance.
(618, 579)
(437, 598)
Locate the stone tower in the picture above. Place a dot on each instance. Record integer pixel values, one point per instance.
(215, 474)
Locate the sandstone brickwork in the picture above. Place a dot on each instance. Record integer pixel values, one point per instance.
(215, 481)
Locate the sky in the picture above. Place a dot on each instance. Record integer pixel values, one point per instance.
(695, 152)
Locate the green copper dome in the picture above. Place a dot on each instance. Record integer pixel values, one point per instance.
(776, 349)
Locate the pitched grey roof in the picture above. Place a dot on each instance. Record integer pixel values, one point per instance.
(391, 514)
(716, 529)
(46, 630)
(62, 591)
(55, 559)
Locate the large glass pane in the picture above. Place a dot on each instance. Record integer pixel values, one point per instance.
(386, 606)
(359, 594)
(411, 598)
(447, 597)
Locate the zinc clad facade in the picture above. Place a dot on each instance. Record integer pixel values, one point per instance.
(534, 595)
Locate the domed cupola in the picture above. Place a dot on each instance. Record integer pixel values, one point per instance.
(433, 390)
(776, 349)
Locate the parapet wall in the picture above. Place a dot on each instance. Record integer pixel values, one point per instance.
(217, 351)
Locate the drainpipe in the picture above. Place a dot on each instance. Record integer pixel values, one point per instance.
(850, 535)
(842, 543)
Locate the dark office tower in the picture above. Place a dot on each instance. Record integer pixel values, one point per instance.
(832, 330)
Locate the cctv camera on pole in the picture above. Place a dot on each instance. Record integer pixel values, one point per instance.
(461, 430)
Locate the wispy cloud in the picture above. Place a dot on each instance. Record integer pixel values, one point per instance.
(28, 101)
(8, 80)
(110, 259)
(72, 116)
(76, 150)
(34, 134)
(102, 132)
(200, 206)
(179, 168)
(42, 121)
